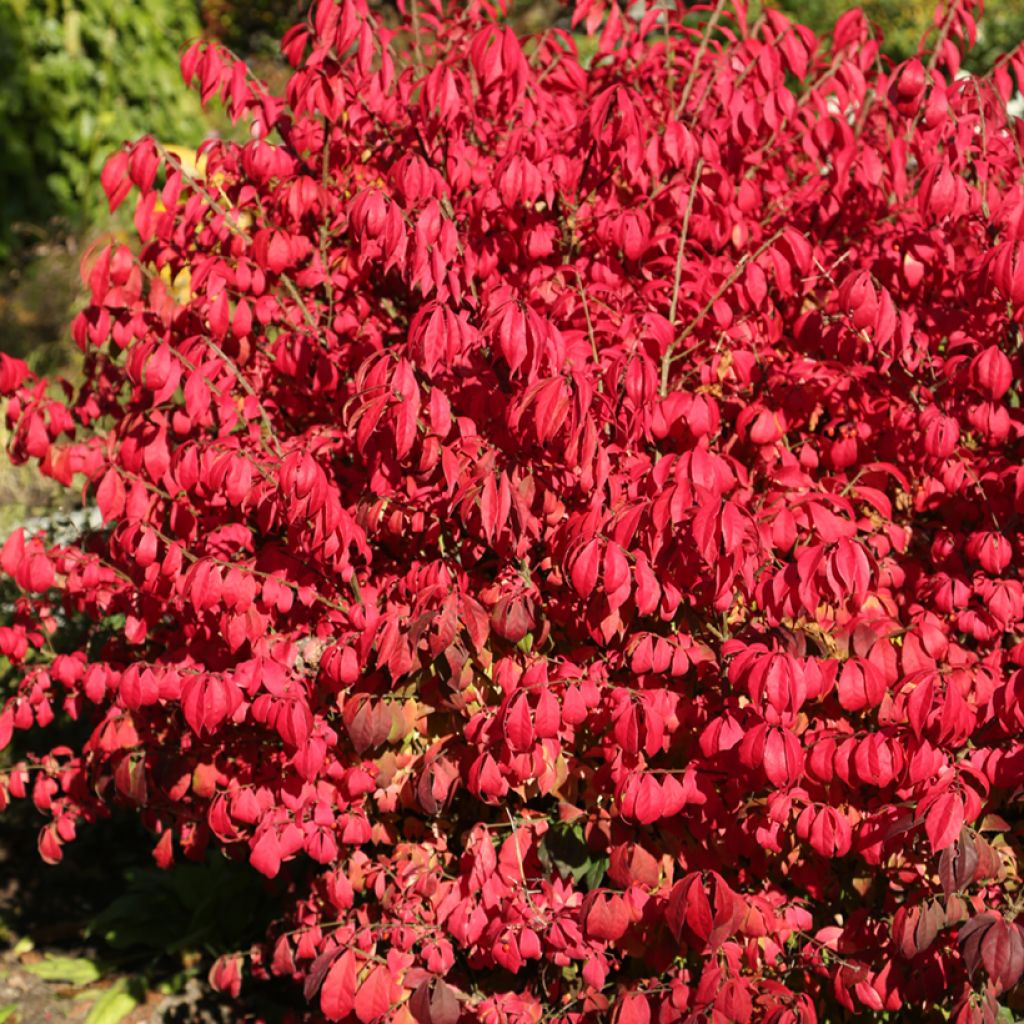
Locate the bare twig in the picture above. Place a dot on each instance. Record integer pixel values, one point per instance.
(677, 276)
(670, 353)
(691, 79)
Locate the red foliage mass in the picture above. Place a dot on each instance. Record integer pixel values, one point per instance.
(566, 521)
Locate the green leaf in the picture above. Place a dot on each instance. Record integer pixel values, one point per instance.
(7, 1013)
(208, 906)
(74, 971)
(595, 871)
(116, 1003)
(564, 849)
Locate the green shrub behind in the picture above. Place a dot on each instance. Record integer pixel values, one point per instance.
(904, 21)
(78, 77)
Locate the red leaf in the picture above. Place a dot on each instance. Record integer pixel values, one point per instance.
(688, 907)
(518, 727)
(633, 1009)
(944, 820)
(783, 758)
(631, 863)
(361, 723)
(337, 996)
(1002, 953)
(110, 496)
(548, 715)
(404, 384)
(266, 854)
(957, 863)
(115, 180)
(970, 936)
(585, 568)
(616, 575)
(13, 552)
(607, 919)
(648, 590)
(375, 996)
(650, 803)
(435, 1003)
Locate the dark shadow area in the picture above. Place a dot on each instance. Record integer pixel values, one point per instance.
(107, 903)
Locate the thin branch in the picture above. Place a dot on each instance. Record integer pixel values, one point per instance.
(677, 276)
(691, 79)
(670, 357)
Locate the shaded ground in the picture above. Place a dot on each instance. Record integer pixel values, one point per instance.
(28, 998)
(57, 963)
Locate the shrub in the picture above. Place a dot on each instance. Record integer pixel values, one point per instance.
(564, 525)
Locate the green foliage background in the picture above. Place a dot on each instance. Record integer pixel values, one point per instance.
(903, 22)
(253, 25)
(79, 77)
